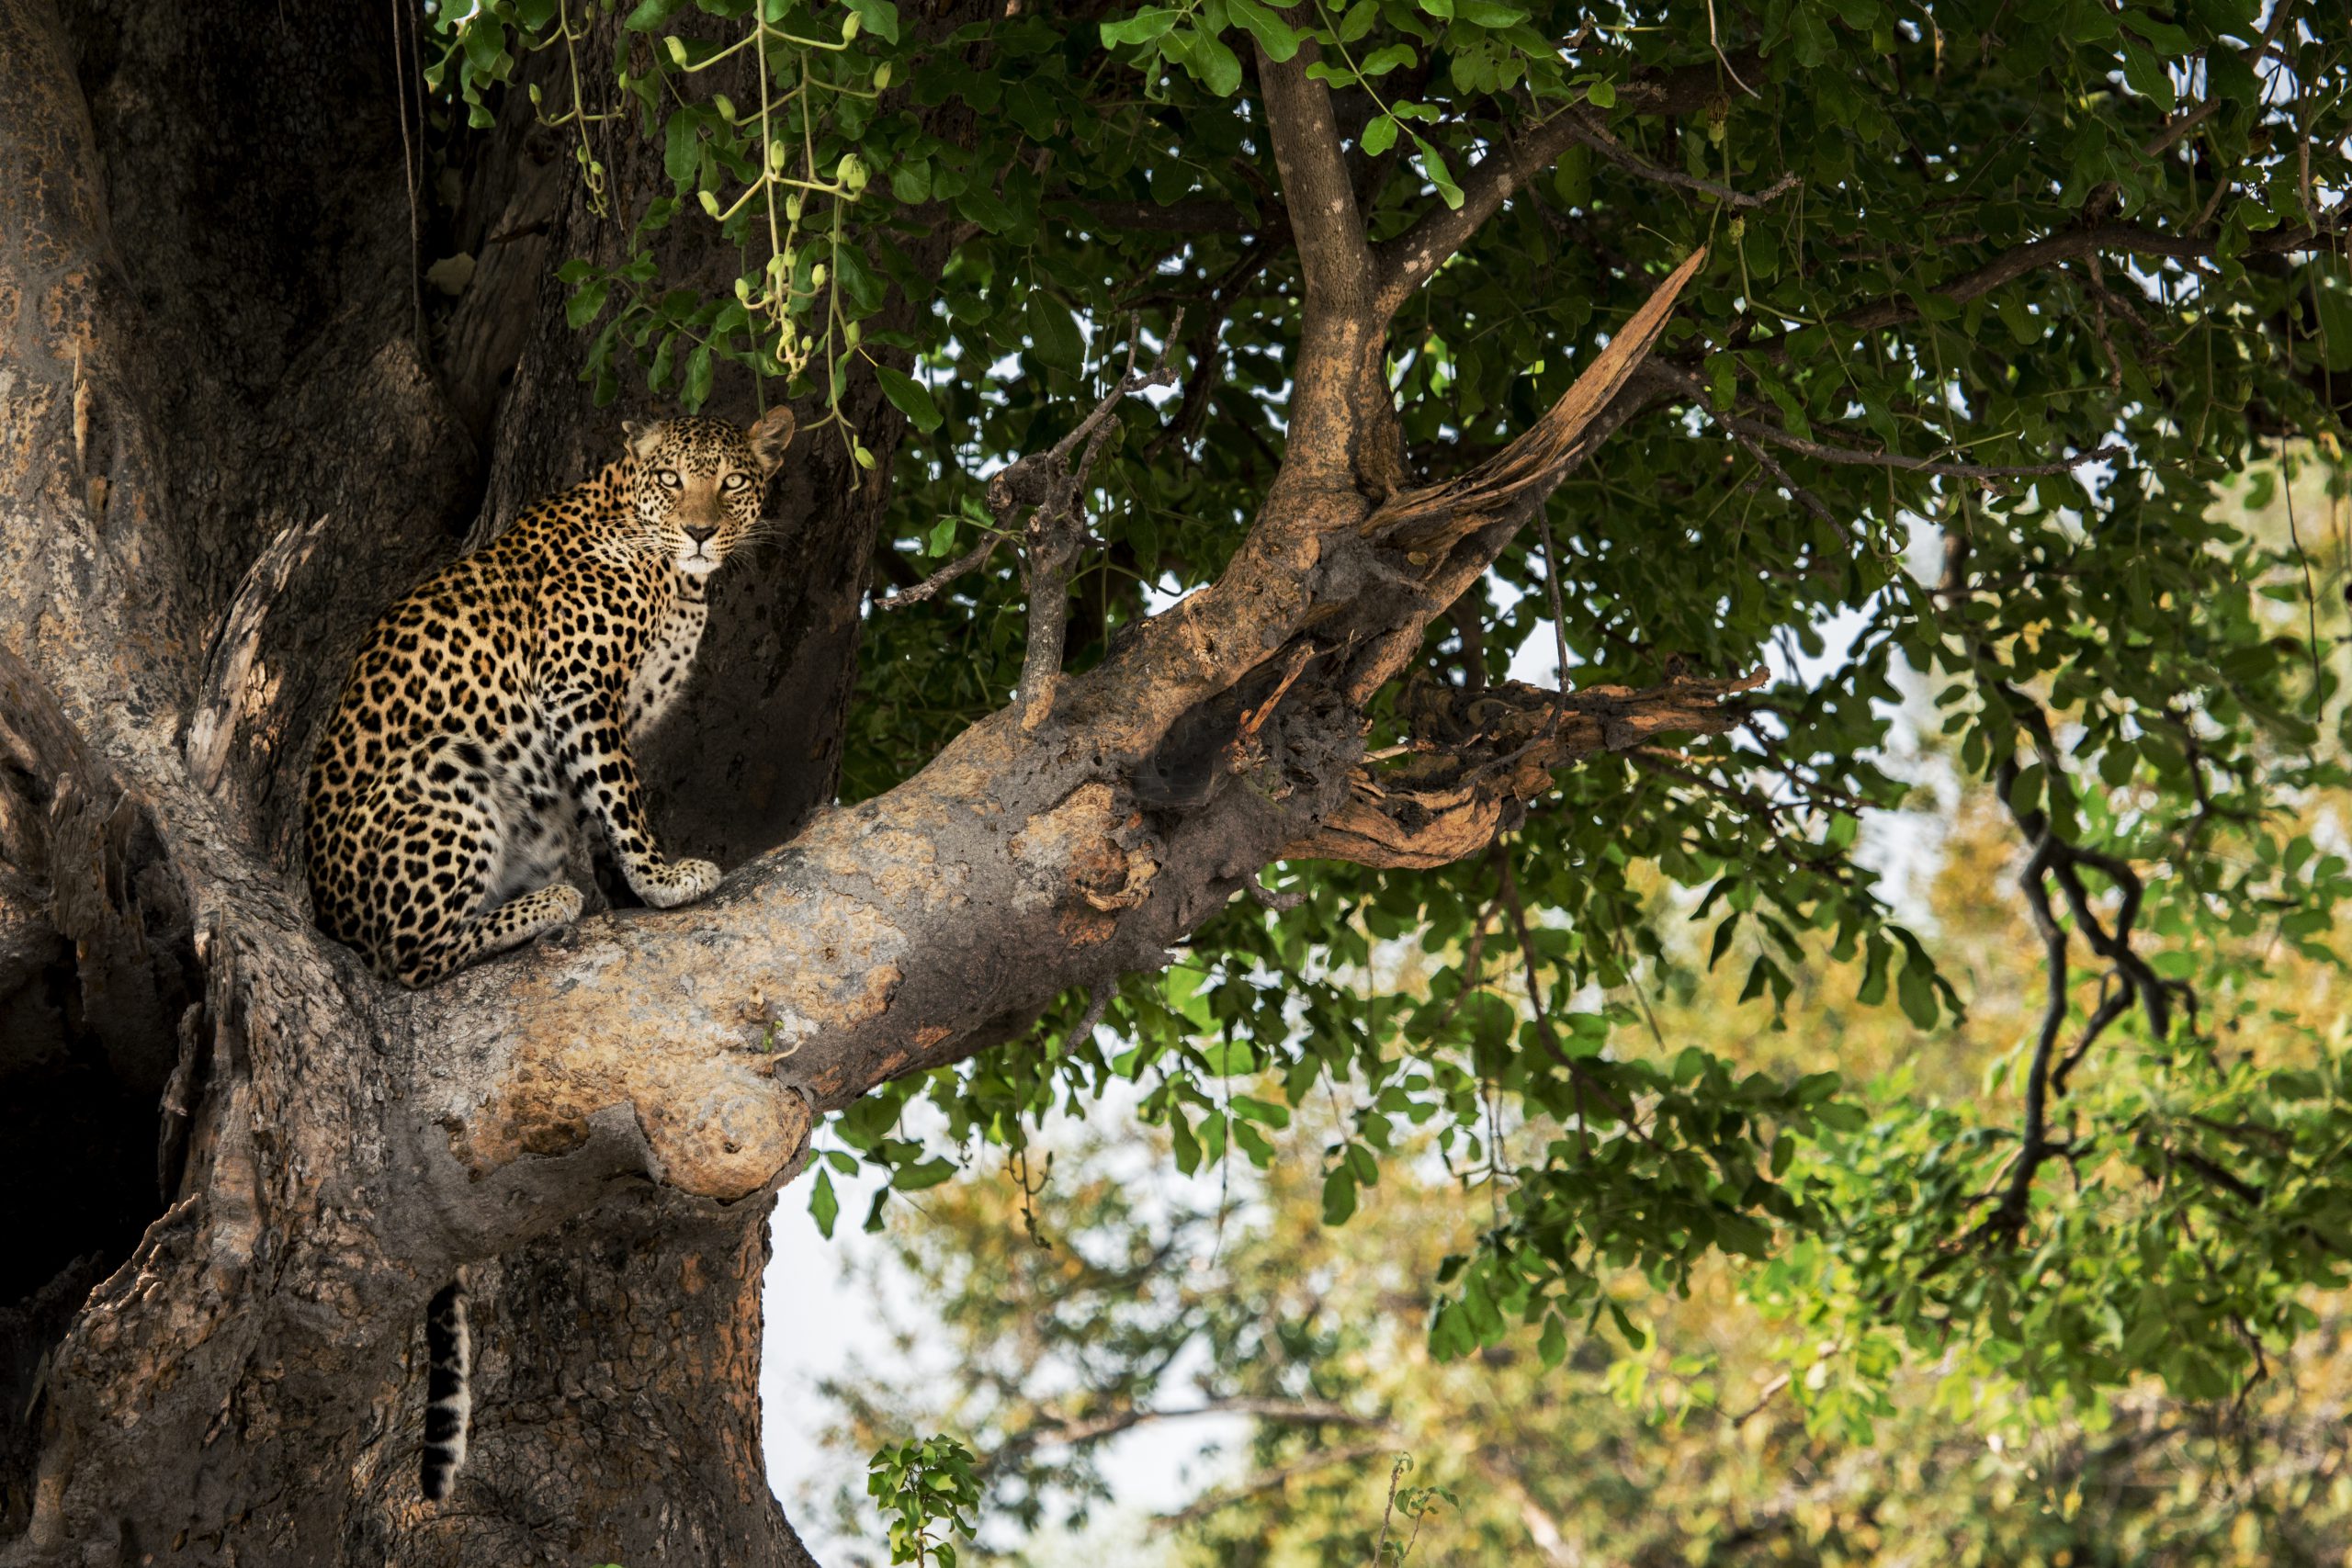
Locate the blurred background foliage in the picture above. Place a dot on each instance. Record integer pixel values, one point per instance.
(1690, 1084)
(2160, 1374)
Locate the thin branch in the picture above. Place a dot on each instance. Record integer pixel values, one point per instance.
(2057, 859)
(2068, 245)
(1095, 1429)
(1052, 490)
(1589, 133)
(1268, 1481)
(1408, 261)
(1748, 430)
(970, 561)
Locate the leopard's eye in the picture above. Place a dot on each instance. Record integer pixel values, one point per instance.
(670, 479)
(736, 480)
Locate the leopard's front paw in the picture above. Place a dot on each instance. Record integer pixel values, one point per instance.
(679, 882)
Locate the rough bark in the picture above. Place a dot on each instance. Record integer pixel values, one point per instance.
(228, 435)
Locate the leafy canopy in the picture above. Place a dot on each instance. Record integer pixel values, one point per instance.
(2004, 233)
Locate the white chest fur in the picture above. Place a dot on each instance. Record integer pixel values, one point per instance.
(677, 633)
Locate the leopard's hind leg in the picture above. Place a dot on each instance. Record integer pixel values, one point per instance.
(445, 845)
(511, 924)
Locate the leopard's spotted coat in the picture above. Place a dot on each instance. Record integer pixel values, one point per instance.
(487, 717)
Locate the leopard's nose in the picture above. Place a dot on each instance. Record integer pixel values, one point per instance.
(698, 536)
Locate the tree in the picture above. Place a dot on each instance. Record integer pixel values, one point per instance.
(241, 416)
(1071, 1303)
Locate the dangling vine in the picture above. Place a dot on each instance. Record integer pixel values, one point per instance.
(777, 178)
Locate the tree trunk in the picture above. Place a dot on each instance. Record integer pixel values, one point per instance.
(229, 434)
(212, 1346)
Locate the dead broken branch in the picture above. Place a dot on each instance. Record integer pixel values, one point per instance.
(1479, 756)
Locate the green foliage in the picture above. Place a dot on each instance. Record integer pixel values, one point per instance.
(777, 177)
(2018, 232)
(926, 1489)
(1781, 1410)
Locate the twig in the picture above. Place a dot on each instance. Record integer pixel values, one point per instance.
(1395, 1473)
(1714, 42)
(970, 561)
(1748, 431)
(1593, 136)
(1051, 489)
(2057, 859)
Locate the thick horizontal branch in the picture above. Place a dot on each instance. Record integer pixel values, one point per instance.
(697, 1044)
(1479, 756)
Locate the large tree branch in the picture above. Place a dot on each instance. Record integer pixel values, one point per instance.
(1343, 436)
(922, 927)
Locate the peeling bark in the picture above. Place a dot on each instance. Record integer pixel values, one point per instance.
(224, 444)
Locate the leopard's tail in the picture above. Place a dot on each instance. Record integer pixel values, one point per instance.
(448, 1391)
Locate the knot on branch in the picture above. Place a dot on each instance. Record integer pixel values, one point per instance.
(1477, 756)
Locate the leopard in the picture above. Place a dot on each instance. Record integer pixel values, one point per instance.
(486, 721)
(485, 724)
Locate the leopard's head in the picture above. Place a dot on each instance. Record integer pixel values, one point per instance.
(696, 484)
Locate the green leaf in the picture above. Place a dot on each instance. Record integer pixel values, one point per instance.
(1339, 1196)
(1380, 135)
(823, 1206)
(697, 390)
(911, 181)
(583, 305)
(652, 15)
(1273, 35)
(1433, 165)
(922, 1176)
(2145, 75)
(1054, 331)
(1151, 22)
(1212, 64)
(1917, 995)
(2333, 301)
(909, 397)
(879, 18)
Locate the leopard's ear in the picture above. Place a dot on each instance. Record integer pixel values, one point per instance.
(641, 436)
(770, 434)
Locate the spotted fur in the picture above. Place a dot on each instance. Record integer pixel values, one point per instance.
(486, 719)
